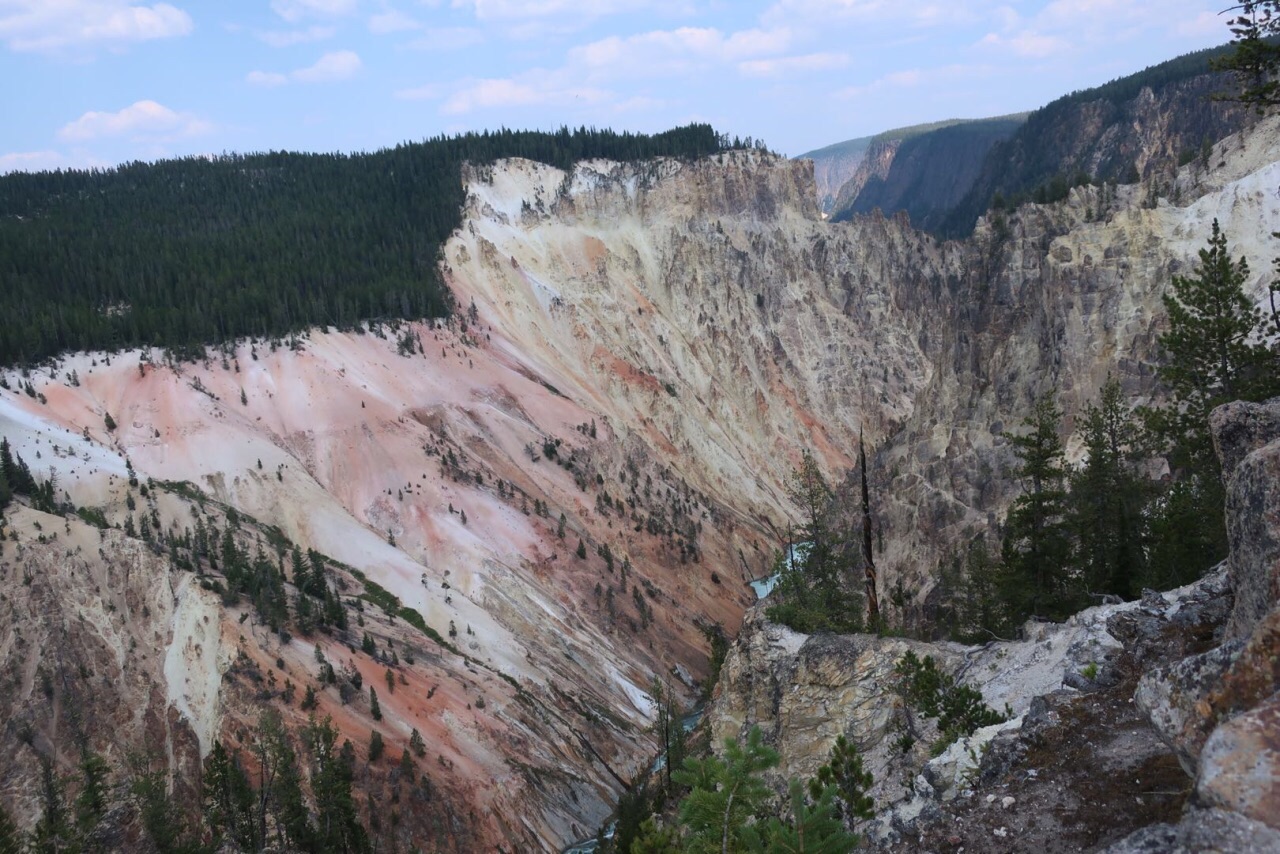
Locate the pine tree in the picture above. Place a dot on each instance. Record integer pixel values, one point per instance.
(91, 803)
(338, 827)
(11, 838)
(725, 794)
(1036, 547)
(374, 708)
(53, 832)
(1256, 57)
(376, 746)
(1108, 498)
(1212, 355)
(227, 797)
(581, 551)
(813, 828)
(848, 781)
(818, 588)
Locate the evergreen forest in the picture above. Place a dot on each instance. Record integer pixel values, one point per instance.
(200, 250)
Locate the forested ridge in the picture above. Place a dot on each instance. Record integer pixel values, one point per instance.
(1042, 159)
(194, 251)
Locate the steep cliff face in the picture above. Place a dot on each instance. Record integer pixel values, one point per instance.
(931, 173)
(645, 349)
(1109, 713)
(875, 167)
(833, 165)
(1134, 129)
(1053, 299)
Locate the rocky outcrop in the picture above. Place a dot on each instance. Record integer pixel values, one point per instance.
(1221, 710)
(1053, 300)
(874, 166)
(1174, 699)
(805, 691)
(930, 173)
(91, 622)
(1139, 128)
(1199, 831)
(1068, 690)
(645, 348)
(833, 165)
(1248, 440)
(1240, 764)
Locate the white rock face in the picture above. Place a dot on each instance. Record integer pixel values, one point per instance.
(712, 326)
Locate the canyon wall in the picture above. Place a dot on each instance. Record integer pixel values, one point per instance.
(644, 348)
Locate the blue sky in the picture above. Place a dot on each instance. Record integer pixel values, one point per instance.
(98, 82)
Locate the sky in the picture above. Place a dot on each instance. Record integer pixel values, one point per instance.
(90, 83)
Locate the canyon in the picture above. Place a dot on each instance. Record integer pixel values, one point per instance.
(642, 349)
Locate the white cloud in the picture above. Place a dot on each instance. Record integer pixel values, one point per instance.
(922, 14)
(288, 38)
(584, 78)
(41, 161)
(52, 26)
(330, 68)
(339, 65)
(143, 121)
(913, 77)
(296, 10)
(391, 21)
(447, 38)
(783, 65)
(1066, 26)
(495, 10)
(676, 51)
(266, 78)
(1028, 44)
(513, 93)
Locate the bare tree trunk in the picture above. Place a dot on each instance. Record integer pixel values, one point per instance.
(869, 561)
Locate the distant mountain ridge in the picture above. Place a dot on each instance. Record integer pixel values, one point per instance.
(836, 166)
(1134, 128)
(930, 171)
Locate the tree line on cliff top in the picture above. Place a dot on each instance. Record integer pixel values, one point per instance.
(200, 250)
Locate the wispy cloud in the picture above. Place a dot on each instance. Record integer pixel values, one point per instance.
(506, 10)
(676, 51)
(392, 21)
(786, 65)
(289, 38)
(142, 121)
(297, 10)
(331, 68)
(40, 161)
(492, 94)
(447, 38)
(919, 14)
(914, 77)
(54, 26)
(590, 69)
(1069, 26)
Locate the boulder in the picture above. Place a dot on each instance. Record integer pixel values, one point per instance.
(957, 767)
(1201, 830)
(1247, 437)
(1240, 765)
(1176, 699)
